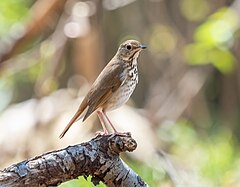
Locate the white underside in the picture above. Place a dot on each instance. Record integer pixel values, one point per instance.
(124, 92)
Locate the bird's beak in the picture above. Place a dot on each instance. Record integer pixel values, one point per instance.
(142, 46)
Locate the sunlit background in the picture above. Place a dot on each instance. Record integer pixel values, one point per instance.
(184, 113)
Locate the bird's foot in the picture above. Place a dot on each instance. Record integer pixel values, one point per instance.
(104, 133)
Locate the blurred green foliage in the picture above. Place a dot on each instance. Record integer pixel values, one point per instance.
(151, 175)
(213, 40)
(215, 156)
(162, 41)
(195, 10)
(12, 11)
(81, 181)
(214, 152)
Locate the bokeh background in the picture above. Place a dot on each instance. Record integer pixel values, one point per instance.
(184, 113)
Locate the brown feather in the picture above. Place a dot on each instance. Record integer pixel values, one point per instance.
(101, 91)
(92, 108)
(105, 85)
(112, 77)
(75, 117)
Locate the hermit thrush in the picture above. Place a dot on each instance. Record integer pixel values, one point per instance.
(113, 86)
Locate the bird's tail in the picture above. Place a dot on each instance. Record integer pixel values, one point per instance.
(77, 116)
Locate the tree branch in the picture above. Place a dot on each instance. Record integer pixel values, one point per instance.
(99, 158)
(43, 12)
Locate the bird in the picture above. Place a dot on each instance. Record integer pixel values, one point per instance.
(113, 87)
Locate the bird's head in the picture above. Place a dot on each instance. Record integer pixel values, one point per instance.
(130, 49)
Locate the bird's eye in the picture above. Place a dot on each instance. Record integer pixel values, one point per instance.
(129, 47)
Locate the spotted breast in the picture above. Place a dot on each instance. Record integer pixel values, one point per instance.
(124, 92)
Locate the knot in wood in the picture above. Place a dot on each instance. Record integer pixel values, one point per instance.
(122, 142)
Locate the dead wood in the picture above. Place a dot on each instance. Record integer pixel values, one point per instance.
(98, 158)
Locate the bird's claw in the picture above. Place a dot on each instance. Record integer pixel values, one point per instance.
(101, 133)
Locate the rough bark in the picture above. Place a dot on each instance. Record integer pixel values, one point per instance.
(98, 158)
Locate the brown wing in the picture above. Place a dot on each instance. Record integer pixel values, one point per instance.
(75, 117)
(106, 84)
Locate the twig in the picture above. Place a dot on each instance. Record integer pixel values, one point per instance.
(42, 11)
(98, 158)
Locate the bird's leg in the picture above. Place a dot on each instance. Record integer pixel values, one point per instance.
(114, 129)
(110, 123)
(105, 132)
